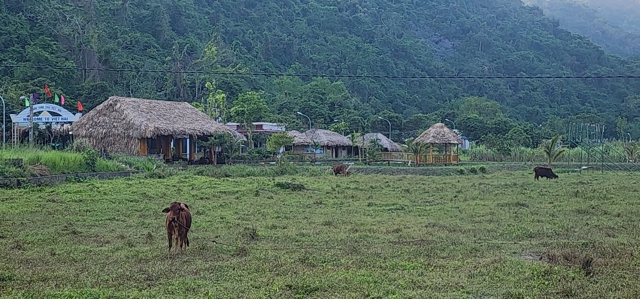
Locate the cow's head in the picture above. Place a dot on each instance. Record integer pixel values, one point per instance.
(175, 208)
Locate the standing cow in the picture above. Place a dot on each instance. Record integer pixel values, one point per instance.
(341, 169)
(544, 172)
(178, 224)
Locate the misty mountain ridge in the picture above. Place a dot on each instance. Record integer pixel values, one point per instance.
(614, 25)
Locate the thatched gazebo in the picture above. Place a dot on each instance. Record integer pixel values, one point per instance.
(387, 144)
(333, 144)
(439, 134)
(145, 127)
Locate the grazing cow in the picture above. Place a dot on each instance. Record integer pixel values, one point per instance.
(341, 169)
(178, 224)
(544, 172)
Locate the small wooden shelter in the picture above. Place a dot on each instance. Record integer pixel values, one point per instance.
(440, 135)
(387, 144)
(331, 144)
(145, 127)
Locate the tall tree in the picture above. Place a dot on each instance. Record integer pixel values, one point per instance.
(248, 108)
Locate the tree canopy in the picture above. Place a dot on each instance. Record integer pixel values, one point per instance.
(476, 63)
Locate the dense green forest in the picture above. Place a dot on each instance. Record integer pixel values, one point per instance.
(340, 62)
(614, 25)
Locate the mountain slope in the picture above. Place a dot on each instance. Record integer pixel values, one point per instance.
(613, 25)
(362, 45)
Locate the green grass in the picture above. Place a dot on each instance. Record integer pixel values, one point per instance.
(501, 235)
(59, 162)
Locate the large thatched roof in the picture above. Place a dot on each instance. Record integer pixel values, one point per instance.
(299, 138)
(383, 140)
(439, 134)
(140, 118)
(327, 138)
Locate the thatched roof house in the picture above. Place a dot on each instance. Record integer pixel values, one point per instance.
(327, 138)
(385, 142)
(331, 144)
(439, 134)
(299, 138)
(132, 126)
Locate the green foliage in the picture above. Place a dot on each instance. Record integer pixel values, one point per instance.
(79, 145)
(9, 170)
(552, 150)
(61, 162)
(278, 140)
(249, 108)
(482, 169)
(91, 158)
(417, 149)
(473, 170)
(461, 170)
(229, 143)
(256, 154)
(69, 48)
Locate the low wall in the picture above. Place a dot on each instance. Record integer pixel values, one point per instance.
(56, 179)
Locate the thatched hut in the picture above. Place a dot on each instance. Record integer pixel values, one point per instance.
(387, 144)
(146, 127)
(439, 135)
(299, 138)
(331, 144)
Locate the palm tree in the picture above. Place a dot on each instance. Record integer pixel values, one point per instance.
(353, 137)
(417, 149)
(552, 150)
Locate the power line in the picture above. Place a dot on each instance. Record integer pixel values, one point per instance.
(276, 74)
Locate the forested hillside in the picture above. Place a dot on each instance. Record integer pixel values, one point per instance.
(614, 25)
(412, 62)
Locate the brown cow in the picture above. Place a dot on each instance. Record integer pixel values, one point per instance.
(178, 224)
(341, 169)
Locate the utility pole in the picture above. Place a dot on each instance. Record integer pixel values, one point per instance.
(30, 99)
(4, 124)
(389, 125)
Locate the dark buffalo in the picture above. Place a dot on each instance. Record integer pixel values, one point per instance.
(178, 224)
(341, 169)
(544, 172)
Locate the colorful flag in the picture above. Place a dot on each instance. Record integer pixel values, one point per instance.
(47, 90)
(56, 99)
(62, 99)
(26, 102)
(79, 106)
(34, 98)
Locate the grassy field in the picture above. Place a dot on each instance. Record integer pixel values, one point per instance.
(500, 235)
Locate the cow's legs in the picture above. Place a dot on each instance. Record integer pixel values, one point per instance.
(169, 238)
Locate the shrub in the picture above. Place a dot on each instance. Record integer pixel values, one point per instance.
(91, 158)
(482, 169)
(473, 170)
(79, 146)
(9, 170)
(461, 170)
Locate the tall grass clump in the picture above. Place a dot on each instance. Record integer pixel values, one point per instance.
(57, 162)
(241, 171)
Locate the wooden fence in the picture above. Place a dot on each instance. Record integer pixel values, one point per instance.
(423, 159)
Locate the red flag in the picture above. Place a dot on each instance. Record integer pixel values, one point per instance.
(47, 91)
(79, 106)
